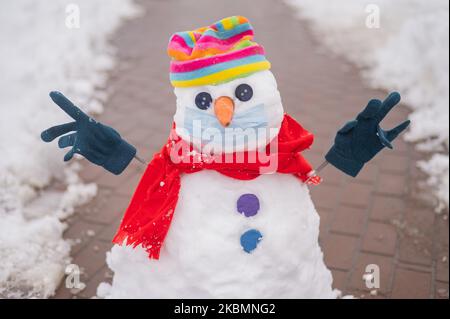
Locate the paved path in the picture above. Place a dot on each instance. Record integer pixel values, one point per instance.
(374, 219)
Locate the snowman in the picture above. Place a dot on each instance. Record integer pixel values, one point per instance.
(223, 210)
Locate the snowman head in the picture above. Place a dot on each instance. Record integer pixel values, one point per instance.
(227, 99)
(243, 114)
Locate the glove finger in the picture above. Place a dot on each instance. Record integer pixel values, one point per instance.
(67, 140)
(67, 106)
(391, 101)
(392, 134)
(372, 108)
(53, 132)
(69, 155)
(383, 138)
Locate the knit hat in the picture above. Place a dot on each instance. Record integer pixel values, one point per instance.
(222, 52)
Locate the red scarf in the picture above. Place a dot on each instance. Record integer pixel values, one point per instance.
(147, 219)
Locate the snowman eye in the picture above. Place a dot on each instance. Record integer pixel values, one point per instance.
(244, 92)
(203, 100)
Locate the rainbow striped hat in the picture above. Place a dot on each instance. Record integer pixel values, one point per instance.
(222, 52)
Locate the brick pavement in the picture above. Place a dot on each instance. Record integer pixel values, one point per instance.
(378, 218)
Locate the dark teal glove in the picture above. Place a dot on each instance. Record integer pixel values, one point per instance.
(361, 139)
(100, 144)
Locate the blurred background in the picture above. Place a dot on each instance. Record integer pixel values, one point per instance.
(329, 59)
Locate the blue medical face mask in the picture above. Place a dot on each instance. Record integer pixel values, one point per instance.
(202, 126)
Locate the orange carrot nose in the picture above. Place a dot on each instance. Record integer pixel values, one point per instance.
(224, 110)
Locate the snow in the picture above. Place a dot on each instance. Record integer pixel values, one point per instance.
(37, 190)
(408, 53)
(437, 167)
(202, 256)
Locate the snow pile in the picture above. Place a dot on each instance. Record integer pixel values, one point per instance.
(202, 256)
(437, 167)
(42, 54)
(408, 52)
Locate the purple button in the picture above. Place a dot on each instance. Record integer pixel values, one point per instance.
(248, 204)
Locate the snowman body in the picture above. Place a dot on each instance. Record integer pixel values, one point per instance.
(203, 257)
(230, 238)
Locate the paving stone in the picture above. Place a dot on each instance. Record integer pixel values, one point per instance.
(380, 239)
(129, 186)
(442, 265)
(349, 220)
(441, 290)
(92, 257)
(339, 279)
(325, 196)
(416, 236)
(331, 176)
(102, 275)
(409, 284)
(416, 251)
(110, 180)
(107, 233)
(368, 174)
(339, 251)
(386, 208)
(356, 194)
(441, 231)
(373, 294)
(385, 266)
(313, 157)
(89, 261)
(392, 185)
(322, 144)
(90, 172)
(80, 233)
(394, 164)
(326, 216)
(106, 209)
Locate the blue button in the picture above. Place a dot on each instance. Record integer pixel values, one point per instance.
(250, 240)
